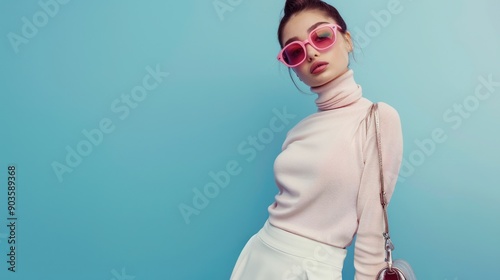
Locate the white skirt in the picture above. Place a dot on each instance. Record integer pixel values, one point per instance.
(275, 254)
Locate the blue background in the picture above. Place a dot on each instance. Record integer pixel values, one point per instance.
(116, 215)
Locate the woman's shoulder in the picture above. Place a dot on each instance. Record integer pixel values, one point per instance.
(389, 117)
(387, 111)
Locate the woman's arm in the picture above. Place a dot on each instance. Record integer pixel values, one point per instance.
(369, 251)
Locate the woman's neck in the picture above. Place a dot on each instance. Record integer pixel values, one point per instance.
(340, 92)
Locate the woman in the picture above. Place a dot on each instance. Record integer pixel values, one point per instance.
(328, 171)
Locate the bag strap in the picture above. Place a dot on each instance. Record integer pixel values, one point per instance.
(389, 247)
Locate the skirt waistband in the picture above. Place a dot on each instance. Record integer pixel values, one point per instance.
(300, 246)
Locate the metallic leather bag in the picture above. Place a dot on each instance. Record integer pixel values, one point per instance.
(399, 270)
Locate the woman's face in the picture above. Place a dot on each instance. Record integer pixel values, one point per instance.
(337, 56)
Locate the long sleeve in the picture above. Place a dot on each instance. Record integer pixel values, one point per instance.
(328, 174)
(369, 246)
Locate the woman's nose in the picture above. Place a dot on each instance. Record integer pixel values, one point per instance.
(311, 52)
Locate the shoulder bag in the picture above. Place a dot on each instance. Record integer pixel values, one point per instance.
(399, 269)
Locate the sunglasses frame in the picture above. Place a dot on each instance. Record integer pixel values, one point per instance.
(309, 41)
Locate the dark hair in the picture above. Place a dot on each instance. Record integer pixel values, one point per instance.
(293, 7)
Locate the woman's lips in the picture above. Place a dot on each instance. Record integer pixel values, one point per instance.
(318, 67)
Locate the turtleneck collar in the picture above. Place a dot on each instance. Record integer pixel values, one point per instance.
(340, 92)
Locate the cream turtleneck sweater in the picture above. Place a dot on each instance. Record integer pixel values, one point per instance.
(328, 173)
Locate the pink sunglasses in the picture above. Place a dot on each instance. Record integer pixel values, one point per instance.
(321, 38)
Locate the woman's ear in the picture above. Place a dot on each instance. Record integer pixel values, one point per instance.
(348, 41)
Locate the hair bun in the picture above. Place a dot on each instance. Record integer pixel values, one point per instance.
(292, 6)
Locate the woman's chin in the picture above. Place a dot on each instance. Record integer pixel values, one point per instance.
(326, 77)
(321, 80)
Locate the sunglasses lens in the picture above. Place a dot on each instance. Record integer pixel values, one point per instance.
(293, 54)
(323, 37)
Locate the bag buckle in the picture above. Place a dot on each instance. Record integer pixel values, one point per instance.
(389, 247)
